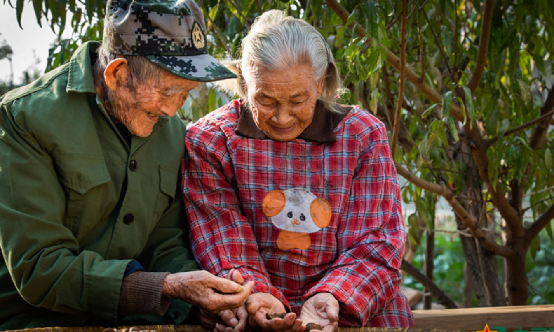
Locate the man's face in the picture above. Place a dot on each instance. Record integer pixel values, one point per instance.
(139, 107)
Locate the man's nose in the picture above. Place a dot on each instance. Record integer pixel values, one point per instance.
(169, 109)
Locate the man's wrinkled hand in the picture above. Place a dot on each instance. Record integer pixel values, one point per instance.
(206, 291)
(234, 320)
(321, 309)
(259, 305)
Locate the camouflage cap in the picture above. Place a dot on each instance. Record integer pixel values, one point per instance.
(169, 33)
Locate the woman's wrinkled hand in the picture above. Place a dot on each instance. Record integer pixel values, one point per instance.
(323, 310)
(203, 289)
(259, 305)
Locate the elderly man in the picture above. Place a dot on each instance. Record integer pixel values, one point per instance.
(90, 212)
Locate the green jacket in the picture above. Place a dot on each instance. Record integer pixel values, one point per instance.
(68, 227)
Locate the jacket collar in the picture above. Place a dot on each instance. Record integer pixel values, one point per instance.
(321, 130)
(80, 77)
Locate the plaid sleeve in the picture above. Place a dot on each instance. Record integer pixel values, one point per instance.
(221, 236)
(365, 277)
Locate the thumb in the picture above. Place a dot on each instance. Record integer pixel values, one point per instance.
(252, 305)
(332, 311)
(235, 276)
(227, 286)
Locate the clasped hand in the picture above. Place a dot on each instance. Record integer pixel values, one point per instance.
(321, 309)
(206, 291)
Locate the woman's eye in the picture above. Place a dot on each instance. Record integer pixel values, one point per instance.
(298, 101)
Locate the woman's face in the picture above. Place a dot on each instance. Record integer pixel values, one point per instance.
(282, 102)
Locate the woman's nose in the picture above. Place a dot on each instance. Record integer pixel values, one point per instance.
(282, 116)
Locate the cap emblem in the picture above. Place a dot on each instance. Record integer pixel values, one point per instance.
(197, 37)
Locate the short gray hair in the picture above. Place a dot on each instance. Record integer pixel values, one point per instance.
(277, 41)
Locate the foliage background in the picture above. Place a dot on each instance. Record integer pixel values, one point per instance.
(465, 90)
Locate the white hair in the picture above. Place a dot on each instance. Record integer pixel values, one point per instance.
(276, 42)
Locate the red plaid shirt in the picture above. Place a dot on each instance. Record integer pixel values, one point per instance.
(356, 257)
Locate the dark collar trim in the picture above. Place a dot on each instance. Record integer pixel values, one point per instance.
(321, 130)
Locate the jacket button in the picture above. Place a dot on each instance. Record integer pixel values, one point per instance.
(133, 165)
(128, 219)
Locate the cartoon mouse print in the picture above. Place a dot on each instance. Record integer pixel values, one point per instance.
(296, 212)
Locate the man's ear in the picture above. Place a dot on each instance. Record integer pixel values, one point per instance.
(116, 73)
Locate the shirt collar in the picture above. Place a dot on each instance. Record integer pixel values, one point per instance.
(80, 77)
(321, 130)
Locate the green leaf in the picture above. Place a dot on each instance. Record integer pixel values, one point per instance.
(525, 91)
(340, 37)
(446, 40)
(535, 246)
(211, 99)
(446, 103)
(548, 229)
(370, 16)
(351, 18)
(374, 100)
(423, 212)
(548, 158)
(452, 127)
(423, 147)
(37, 6)
(428, 110)
(18, 10)
(504, 124)
(470, 110)
(491, 125)
(413, 228)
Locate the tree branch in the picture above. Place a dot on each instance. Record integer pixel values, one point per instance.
(402, 78)
(435, 291)
(467, 219)
(538, 225)
(394, 61)
(547, 115)
(539, 135)
(247, 21)
(498, 196)
(484, 38)
(221, 36)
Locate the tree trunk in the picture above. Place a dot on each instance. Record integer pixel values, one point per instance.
(482, 264)
(468, 289)
(429, 265)
(517, 282)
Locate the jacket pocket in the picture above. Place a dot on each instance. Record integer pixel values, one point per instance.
(168, 189)
(79, 176)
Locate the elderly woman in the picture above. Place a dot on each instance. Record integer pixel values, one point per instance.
(297, 193)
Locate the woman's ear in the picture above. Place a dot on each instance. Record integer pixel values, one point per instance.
(320, 86)
(117, 72)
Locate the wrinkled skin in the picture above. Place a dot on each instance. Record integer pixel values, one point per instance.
(139, 106)
(282, 101)
(227, 320)
(322, 309)
(260, 304)
(203, 289)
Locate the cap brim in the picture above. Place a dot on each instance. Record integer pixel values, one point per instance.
(201, 68)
